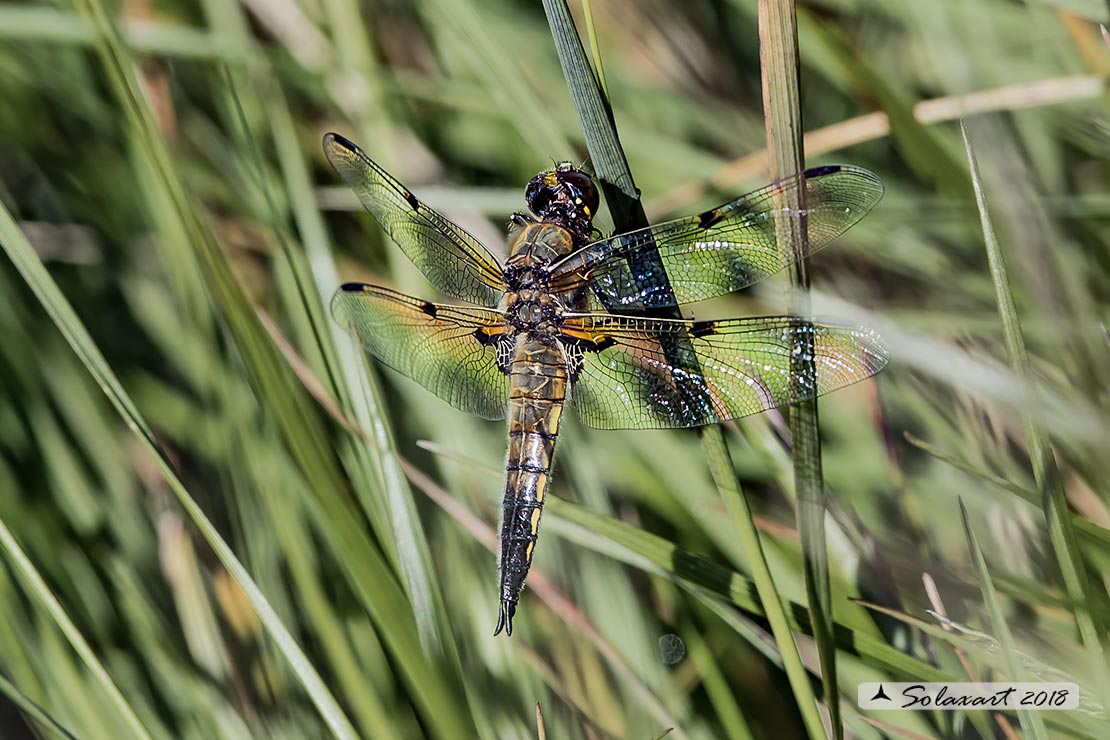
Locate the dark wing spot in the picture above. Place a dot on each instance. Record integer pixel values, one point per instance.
(429, 308)
(597, 344)
(827, 169)
(353, 287)
(702, 328)
(411, 200)
(710, 218)
(484, 337)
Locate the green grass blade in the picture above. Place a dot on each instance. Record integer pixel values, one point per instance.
(596, 118)
(706, 580)
(595, 47)
(1090, 532)
(502, 75)
(41, 593)
(295, 414)
(372, 466)
(774, 604)
(52, 300)
(41, 22)
(931, 155)
(622, 197)
(720, 588)
(782, 113)
(732, 719)
(371, 461)
(1054, 502)
(32, 710)
(297, 418)
(653, 553)
(1030, 721)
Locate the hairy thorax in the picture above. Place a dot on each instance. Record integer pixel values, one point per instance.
(529, 306)
(534, 313)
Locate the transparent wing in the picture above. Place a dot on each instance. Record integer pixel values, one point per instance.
(633, 373)
(456, 352)
(452, 260)
(718, 251)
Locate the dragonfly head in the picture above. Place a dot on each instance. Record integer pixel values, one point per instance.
(565, 196)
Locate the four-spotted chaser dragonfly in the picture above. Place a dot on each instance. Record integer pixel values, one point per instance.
(544, 336)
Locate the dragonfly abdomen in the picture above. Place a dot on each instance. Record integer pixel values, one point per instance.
(537, 389)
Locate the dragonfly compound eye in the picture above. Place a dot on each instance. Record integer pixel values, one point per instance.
(582, 190)
(540, 194)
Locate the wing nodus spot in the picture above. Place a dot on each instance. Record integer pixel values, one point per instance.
(710, 218)
(597, 344)
(485, 337)
(702, 329)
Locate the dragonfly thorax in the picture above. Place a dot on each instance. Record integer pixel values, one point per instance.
(533, 311)
(525, 278)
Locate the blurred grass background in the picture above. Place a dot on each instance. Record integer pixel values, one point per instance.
(193, 225)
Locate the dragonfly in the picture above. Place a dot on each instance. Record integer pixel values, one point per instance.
(566, 319)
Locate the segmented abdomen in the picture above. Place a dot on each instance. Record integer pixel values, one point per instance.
(538, 383)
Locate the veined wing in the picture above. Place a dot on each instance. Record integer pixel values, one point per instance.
(718, 251)
(711, 371)
(452, 260)
(458, 353)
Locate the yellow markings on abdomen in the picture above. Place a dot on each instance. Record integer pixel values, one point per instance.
(538, 381)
